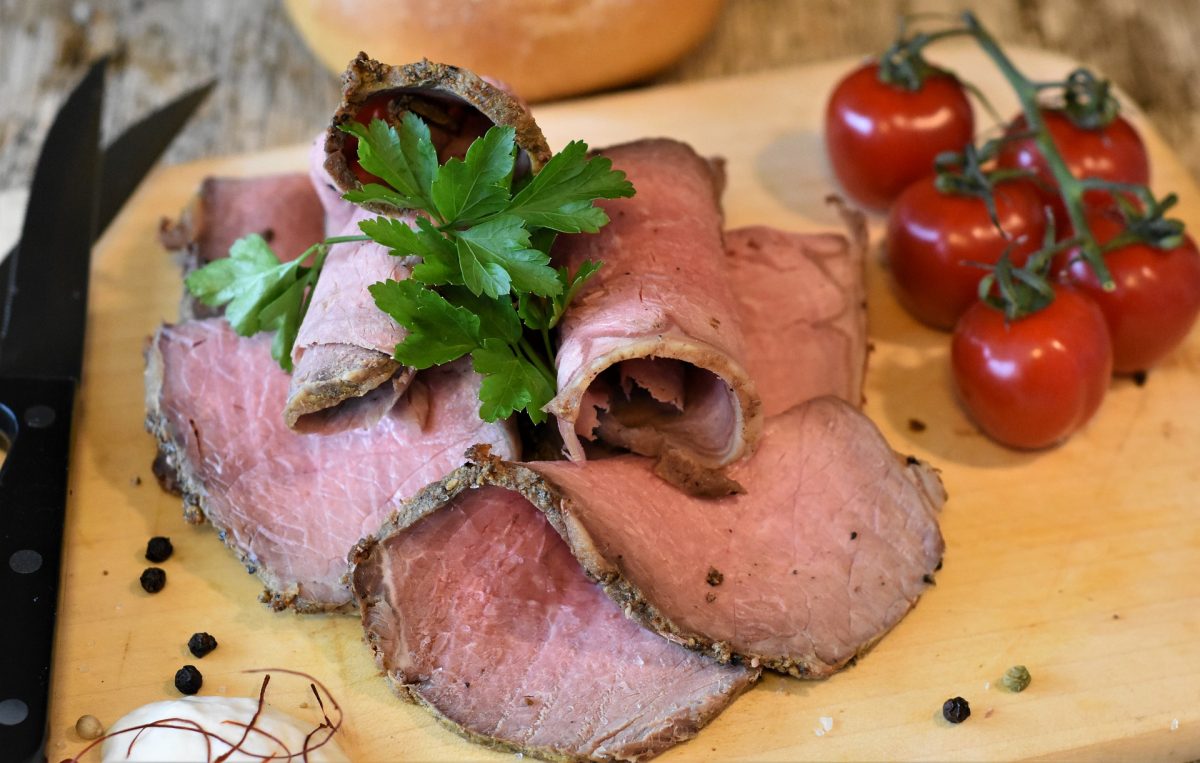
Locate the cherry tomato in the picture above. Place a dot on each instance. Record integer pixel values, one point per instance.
(931, 235)
(1157, 295)
(1031, 382)
(1114, 152)
(881, 138)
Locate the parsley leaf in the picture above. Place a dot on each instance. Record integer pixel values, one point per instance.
(374, 192)
(498, 318)
(438, 331)
(259, 292)
(510, 383)
(405, 159)
(470, 189)
(560, 196)
(283, 317)
(495, 257)
(245, 282)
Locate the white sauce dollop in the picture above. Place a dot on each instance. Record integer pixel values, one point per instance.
(160, 745)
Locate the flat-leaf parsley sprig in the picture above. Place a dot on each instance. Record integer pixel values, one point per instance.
(260, 293)
(484, 286)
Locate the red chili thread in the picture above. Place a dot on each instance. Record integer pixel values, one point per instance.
(195, 727)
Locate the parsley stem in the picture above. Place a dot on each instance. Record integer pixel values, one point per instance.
(345, 239)
(534, 357)
(546, 343)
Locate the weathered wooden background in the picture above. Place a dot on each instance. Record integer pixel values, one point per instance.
(273, 92)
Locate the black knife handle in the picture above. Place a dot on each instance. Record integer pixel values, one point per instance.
(35, 416)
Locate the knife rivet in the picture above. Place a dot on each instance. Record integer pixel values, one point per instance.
(12, 712)
(39, 416)
(25, 561)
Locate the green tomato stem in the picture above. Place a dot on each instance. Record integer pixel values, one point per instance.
(1070, 188)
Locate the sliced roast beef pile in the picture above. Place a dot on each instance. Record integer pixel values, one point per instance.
(289, 505)
(832, 543)
(581, 609)
(475, 608)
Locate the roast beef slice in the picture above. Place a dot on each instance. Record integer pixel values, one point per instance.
(832, 542)
(291, 506)
(475, 609)
(803, 308)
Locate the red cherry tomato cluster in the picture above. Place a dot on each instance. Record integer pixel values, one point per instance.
(1033, 352)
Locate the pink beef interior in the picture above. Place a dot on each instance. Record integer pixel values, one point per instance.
(342, 311)
(825, 552)
(657, 402)
(292, 504)
(282, 208)
(802, 303)
(480, 610)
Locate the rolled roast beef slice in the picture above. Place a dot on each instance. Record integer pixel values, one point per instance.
(289, 505)
(831, 544)
(476, 610)
(456, 104)
(344, 374)
(663, 293)
(802, 301)
(284, 209)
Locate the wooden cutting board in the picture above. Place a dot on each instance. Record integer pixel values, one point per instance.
(1081, 562)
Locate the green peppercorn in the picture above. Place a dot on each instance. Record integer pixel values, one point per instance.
(1016, 678)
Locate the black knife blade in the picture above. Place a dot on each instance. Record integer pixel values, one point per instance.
(129, 158)
(126, 162)
(41, 328)
(41, 348)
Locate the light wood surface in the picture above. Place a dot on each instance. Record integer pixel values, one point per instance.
(1082, 562)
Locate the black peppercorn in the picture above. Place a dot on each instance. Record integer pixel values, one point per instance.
(159, 549)
(201, 644)
(153, 580)
(188, 680)
(956, 710)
